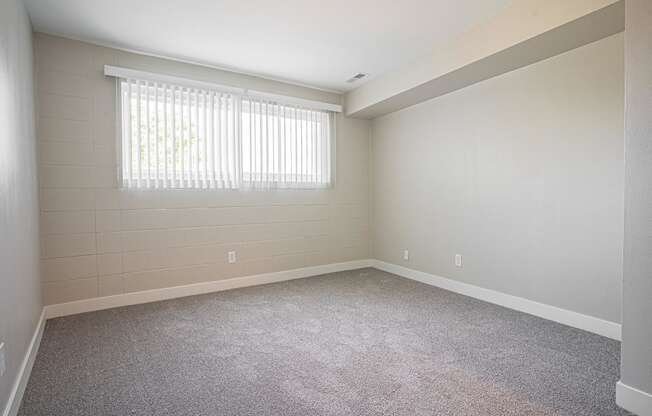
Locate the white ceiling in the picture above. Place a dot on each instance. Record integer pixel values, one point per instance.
(319, 43)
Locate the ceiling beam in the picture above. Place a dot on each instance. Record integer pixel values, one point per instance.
(526, 32)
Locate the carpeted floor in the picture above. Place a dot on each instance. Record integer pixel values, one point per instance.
(353, 343)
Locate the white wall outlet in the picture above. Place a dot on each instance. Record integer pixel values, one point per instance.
(406, 255)
(458, 260)
(232, 257)
(3, 367)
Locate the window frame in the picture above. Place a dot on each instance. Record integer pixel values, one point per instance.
(328, 113)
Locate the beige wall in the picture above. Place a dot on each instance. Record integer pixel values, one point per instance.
(522, 174)
(20, 294)
(99, 240)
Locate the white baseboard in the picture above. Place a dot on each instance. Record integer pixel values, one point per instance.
(566, 317)
(634, 400)
(563, 316)
(18, 389)
(107, 302)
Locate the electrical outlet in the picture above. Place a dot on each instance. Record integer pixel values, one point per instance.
(2, 359)
(458, 260)
(406, 255)
(232, 257)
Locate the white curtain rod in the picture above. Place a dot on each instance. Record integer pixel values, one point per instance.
(114, 71)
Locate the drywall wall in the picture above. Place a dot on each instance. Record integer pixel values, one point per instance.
(99, 240)
(636, 363)
(20, 294)
(520, 174)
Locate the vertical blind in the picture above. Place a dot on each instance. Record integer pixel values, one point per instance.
(175, 136)
(284, 146)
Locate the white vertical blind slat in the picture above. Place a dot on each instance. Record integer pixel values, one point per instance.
(265, 178)
(173, 113)
(165, 136)
(230, 116)
(138, 134)
(211, 143)
(238, 140)
(194, 138)
(126, 143)
(282, 144)
(186, 166)
(157, 157)
(259, 143)
(313, 146)
(229, 143)
(204, 142)
(277, 168)
(300, 153)
(218, 143)
(148, 148)
(295, 156)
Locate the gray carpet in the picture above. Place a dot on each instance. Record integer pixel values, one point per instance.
(354, 343)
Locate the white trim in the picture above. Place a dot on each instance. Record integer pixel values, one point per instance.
(284, 99)
(127, 73)
(114, 71)
(154, 295)
(588, 323)
(16, 395)
(634, 400)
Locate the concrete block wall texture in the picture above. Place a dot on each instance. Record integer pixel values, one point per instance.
(100, 240)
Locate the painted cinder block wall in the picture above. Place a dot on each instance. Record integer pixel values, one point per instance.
(99, 240)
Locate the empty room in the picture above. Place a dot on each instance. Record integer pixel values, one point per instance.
(362, 207)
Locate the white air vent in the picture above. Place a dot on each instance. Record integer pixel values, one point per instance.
(356, 77)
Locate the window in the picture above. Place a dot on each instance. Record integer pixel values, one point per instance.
(284, 146)
(177, 136)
